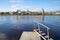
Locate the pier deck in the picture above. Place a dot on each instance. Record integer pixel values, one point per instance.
(30, 36)
(36, 34)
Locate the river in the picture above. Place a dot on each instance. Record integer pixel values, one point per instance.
(11, 27)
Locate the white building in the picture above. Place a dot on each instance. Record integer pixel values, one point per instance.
(57, 13)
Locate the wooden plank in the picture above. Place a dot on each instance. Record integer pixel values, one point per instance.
(30, 36)
(39, 34)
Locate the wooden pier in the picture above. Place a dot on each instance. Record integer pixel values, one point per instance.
(30, 36)
(35, 35)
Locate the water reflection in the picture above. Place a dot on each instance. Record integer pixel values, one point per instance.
(11, 27)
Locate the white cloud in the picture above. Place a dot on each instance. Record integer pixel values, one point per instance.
(14, 7)
(16, 1)
(16, 4)
(27, 6)
(35, 9)
(12, 1)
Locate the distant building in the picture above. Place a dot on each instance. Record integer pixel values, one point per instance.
(57, 13)
(11, 13)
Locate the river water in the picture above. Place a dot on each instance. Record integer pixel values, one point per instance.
(11, 27)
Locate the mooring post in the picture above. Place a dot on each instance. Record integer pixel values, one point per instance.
(34, 26)
(39, 28)
(48, 33)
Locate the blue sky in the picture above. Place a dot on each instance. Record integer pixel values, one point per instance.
(33, 5)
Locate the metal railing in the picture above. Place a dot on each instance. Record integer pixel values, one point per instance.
(39, 32)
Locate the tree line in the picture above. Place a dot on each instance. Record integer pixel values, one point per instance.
(28, 13)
